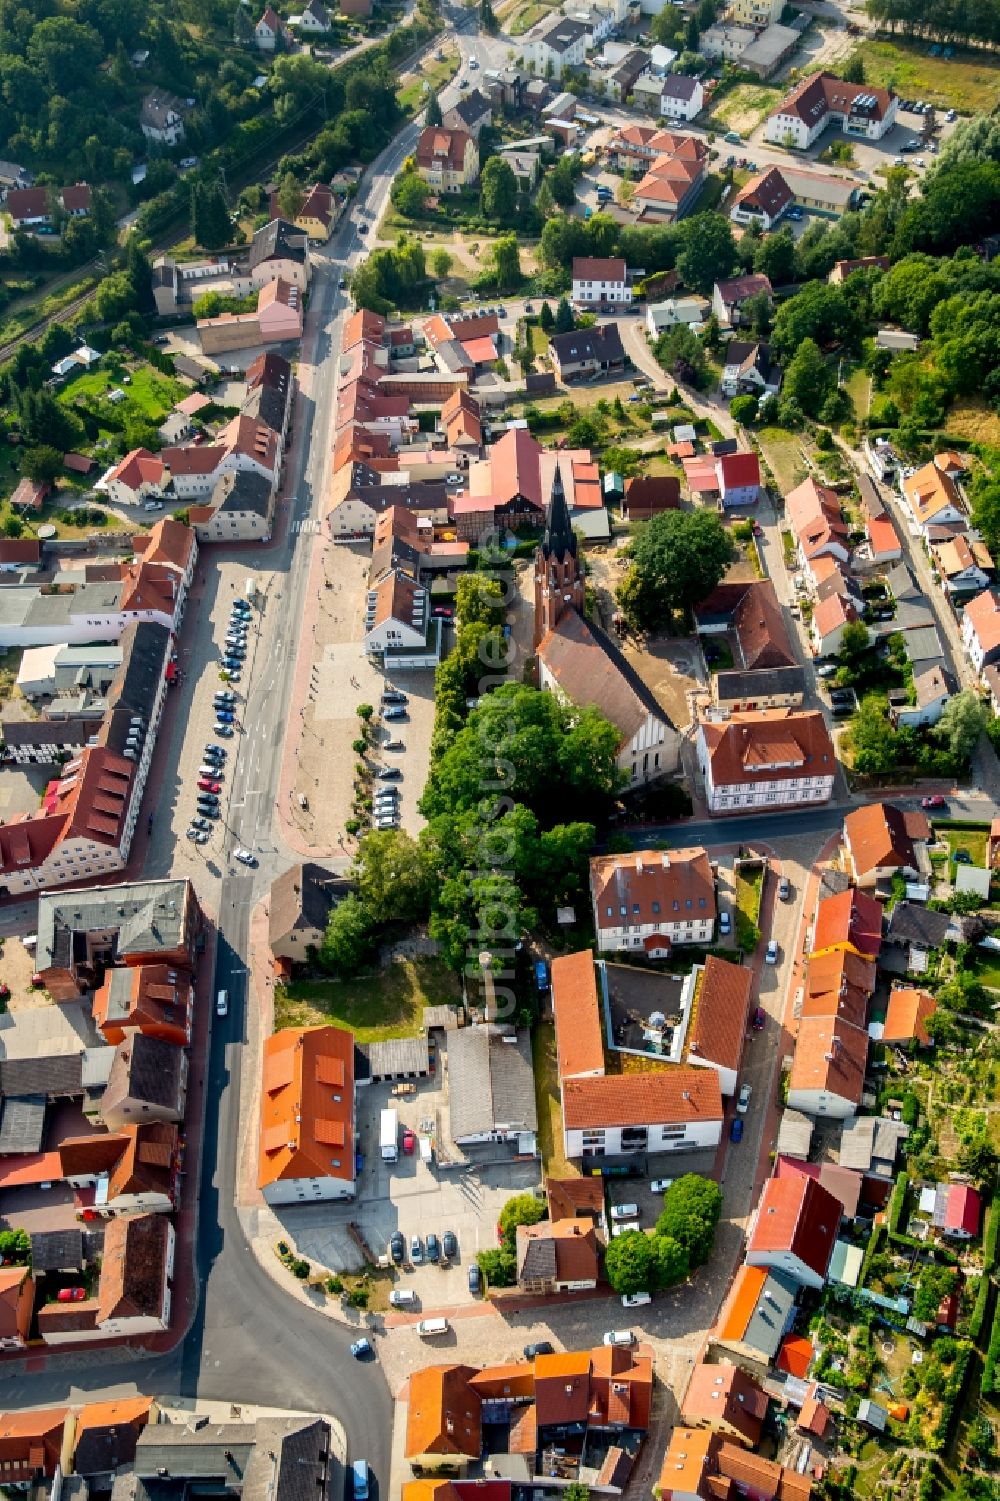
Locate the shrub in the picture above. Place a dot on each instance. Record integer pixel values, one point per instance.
(334, 1285)
(979, 1308)
(283, 1248)
(990, 1237)
(358, 1297)
(301, 1268)
(898, 1202)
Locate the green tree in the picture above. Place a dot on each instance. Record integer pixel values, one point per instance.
(546, 322)
(393, 876)
(291, 197)
(441, 263)
(962, 723)
(672, 1262)
(708, 251)
(692, 35)
(678, 558)
(210, 223)
(410, 194)
(432, 114)
(680, 351)
(506, 263)
(487, 18)
(743, 409)
(875, 742)
(498, 1267)
(522, 1209)
(498, 191)
(854, 642)
(853, 70)
(691, 1209)
(808, 379)
(562, 184)
(564, 317)
(757, 313)
(43, 465)
(15, 1247)
(349, 940)
(819, 312)
(630, 1263)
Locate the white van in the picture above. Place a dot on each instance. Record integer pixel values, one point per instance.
(428, 1328)
(402, 1297)
(636, 1300)
(222, 1003)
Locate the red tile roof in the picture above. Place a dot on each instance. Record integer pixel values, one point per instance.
(796, 1215)
(307, 1105)
(821, 93)
(851, 918)
(579, 1036)
(739, 469)
(718, 1027)
(830, 1056)
(76, 199)
(769, 745)
(726, 1396)
(594, 268)
(906, 1016)
(881, 836)
(653, 887)
(673, 1096)
(963, 1209)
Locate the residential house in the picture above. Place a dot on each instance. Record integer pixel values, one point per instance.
(105, 1435)
(981, 630)
(822, 100)
(838, 984)
(934, 500)
(729, 297)
(679, 1109)
(150, 998)
(587, 351)
(767, 688)
(600, 284)
(559, 1257)
(849, 920)
(397, 615)
(831, 617)
(882, 840)
(319, 211)
(279, 251)
(575, 1198)
(31, 1444)
(700, 1464)
(652, 901)
(756, 1315)
(692, 311)
(20, 555)
(960, 1216)
(620, 82)
(843, 269)
(555, 46)
(143, 922)
(302, 899)
(718, 1026)
(763, 200)
(753, 618)
(749, 369)
(768, 759)
(964, 564)
(932, 688)
(739, 479)
(646, 495)
(270, 32)
(447, 160)
(137, 1266)
(794, 1229)
(17, 1296)
(148, 1082)
(443, 1419)
(726, 42)
(315, 18)
(575, 1008)
(132, 1171)
(884, 545)
(240, 509)
(160, 118)
(906, 1017)
(728, 1400)
(30, 207)
(307, 1116)
(817, 523)
(756, 13)
(681, 97)
(828, 1067)
(139, 475)
(472, 113)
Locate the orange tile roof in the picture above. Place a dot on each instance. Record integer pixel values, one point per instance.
(882, 535)
(570, 1198)
(515, 1379)
(838, 983)
(621, 1385)
(764, 1478)
(830, 1055)
(718, 1027)
(139, 467)
(307, 1106)
(852, 919)
(670, 1097)
(774, 745)
(737, 1312)
(881, 836)
(574, 1247)
(906, 1016)
(170, 543)
(30, 1442)
(832, 613)
(984, 614)
(443, 1412)
(562, 1387)
(726, 1396)
(796, 1215)
(930, 491)
(795, 1355)
(17, 1294)
(687, 1462)
(579, 1036)
(668, 887)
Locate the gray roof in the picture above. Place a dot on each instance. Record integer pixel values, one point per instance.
(471, 107)
(491, 1082)
(145, 647)
(679, 86)
(794, 1134)
(59, 1074)
(277, 239)
(243, 490)
(147, 1070)
(923, 645)
(148, 916)
(22, 1123)
(601, 342)
(56, 1250)
(275, 1459)
(763, 684)
(400, 1055)
(771, 1316)
(536, 1256)
(911, 923)
(89, 599)
(912, 614)
(18, 733)
(870, 1140)
(561, 36)
(901, 581)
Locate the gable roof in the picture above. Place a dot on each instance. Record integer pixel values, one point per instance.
(851, 917)
(726, 1396)
(436, 145)
(443, 1412)
(718, 1026)
(307, 1106)
(906, 1016)
(596, 268)
(601, 342)
(134, 1267)
(563, 1251)
(759, 623)
(652, 885)
(768, 192)
(773, 745)
(579, 1038)
(830, 1057)
(821, 93)
(797, 1215)
(881, 835)
(673, 1096)
(590, 669)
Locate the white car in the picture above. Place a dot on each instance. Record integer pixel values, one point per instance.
(402, 1297)
(771, 956)
(245, 857)
(624, 1211)
(743, 1099)
(660, 1185)
(619, 1337)
(635, 1300)
(153, 505)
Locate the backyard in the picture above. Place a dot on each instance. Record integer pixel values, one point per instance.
(741, 108)
(550, 1128)
(973, 841)
(147, 393)
(783, 453)
(374, 1007)
(968, 81)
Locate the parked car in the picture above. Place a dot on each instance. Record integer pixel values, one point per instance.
(207, 786)
(394, 696)
(736, 1128)
(619, 1337)
(215, 752)
(634, 1300)
(771, 954)
(474, 1278)
(540, 1347)
(433, 1248)
(784, 888)
(759, 1019)
(361, 1349)
(397, 1247)
(743, 1099)
(660, 1185)
(209, 812)
(416, 1250)
(198, 835)
(245, 857)
(202, 825)
(394, 745)
(624, 1211)
(828, 670)
(71, 1295)
(937, 801)
(395, 713)
(725, 924)
(401, 1297)
(389, 774)
(449, 1243)
(224, 731)
(409, 1143)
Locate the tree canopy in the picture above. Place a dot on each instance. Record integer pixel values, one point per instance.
(678, 558)
(692, 1206)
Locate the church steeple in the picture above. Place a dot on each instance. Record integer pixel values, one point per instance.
(558, 581)
(560, 538)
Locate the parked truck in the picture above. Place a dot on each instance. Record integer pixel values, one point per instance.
(389, 1135)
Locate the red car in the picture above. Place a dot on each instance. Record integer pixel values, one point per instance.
(409, 1143)
(71, 1295)
(207, 785)
(937, 801)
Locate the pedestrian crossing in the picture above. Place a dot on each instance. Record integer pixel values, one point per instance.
(308, 526)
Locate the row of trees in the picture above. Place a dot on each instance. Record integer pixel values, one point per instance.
(950, 20)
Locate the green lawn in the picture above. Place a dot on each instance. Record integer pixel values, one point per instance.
(968, 81)
(550, 1127)
(538, 340)
(435, 73)
(148, 393)
(749, 885)
(859, 387)
(986, 968)
(973, 840)
(526, 18)
(375, 1007)
(783, 452)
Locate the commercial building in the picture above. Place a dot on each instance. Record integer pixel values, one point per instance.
(822, 100)
(651, 901)
(307, 1116)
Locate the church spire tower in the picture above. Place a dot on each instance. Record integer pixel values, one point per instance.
(558, 584)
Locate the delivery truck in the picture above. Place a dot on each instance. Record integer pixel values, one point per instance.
(389, 1135)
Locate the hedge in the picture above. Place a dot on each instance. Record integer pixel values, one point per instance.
(990, 1238)
(870, 1251)
(952, 1394)
(989, 1385)
(979, 1307)
(898, 1202)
